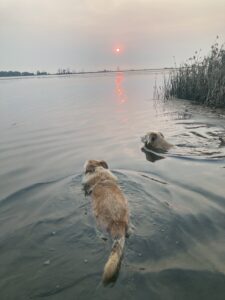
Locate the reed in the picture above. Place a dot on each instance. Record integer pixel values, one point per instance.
(200, 80)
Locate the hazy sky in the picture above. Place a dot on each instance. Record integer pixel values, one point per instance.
(82, 34)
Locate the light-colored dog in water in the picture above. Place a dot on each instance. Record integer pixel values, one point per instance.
(110, 208)
(156, 140)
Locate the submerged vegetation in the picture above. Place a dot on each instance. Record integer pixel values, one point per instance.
(200, 80)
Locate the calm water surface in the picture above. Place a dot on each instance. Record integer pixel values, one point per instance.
(49, 246)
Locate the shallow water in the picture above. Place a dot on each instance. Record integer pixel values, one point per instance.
(49, 246)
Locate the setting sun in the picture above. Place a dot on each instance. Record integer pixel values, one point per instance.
(118, 49)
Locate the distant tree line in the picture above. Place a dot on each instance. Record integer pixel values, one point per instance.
(17, 73)
(64, 71)
(41, 73)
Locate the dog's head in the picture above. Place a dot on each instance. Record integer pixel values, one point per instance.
(152, 138)
(91, 165)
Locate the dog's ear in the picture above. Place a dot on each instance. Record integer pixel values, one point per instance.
(90, 168)
(161, 134)
(104, 164)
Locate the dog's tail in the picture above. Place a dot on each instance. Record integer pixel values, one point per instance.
(113, 264)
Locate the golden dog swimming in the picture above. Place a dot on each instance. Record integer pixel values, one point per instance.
(110, 208)
(156, 141)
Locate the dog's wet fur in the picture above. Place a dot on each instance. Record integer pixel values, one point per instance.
(110, 209)
(156, 140)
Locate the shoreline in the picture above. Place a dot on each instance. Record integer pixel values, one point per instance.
(90, 72)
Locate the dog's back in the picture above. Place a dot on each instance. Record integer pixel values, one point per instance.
(110, 209)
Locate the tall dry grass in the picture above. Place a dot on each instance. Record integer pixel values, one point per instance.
(200, 80)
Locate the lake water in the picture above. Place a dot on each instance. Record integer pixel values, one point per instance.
(49, 245)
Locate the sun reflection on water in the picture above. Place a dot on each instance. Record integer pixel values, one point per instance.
(120, 92)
